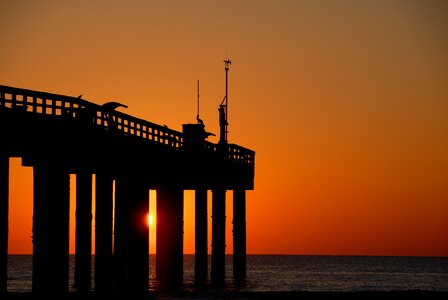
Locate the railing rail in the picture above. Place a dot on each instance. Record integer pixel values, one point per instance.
(61, 106)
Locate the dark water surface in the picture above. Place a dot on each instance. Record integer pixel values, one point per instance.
(296, 273)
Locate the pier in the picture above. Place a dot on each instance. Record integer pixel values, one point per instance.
(59, 135)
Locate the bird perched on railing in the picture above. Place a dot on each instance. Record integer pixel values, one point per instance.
(199, 120)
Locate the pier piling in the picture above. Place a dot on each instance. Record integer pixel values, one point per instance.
(51, 228)
(218, 264)
(4, 221)
(201, 255)
(239, 235)
(103, 232)
(169, 247)
(83, 231)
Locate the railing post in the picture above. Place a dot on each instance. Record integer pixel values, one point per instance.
(2, 99)
(13, 101)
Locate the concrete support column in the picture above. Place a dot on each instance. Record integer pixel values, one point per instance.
(169, 259)
(51, 229)
(138, 237)
(200, 253)
(120, 230)
(4, 221)
(218, 267)
(239, 235)
(131, 244)
(83, 231)
(103, 232)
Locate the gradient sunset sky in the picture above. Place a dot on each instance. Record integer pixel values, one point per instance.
(344, 102)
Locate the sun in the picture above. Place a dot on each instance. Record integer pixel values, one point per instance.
(149, 219)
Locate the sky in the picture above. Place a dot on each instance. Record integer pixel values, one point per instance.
(344, 102)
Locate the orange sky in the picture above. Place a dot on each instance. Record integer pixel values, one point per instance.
(344, 102)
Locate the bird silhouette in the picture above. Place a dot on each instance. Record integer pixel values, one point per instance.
(199, 120)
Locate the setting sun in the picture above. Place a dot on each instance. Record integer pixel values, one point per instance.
(149, 219)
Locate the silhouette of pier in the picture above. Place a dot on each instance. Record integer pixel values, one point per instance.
(60, 135)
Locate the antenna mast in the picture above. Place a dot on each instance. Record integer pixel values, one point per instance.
(224, 107)
(197, 116)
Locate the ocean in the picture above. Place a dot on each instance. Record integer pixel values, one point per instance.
(295, 273)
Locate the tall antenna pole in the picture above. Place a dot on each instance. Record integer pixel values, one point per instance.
(223, 109)
(197, 117)
(227, 62)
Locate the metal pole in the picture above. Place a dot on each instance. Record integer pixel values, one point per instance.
(227, 63)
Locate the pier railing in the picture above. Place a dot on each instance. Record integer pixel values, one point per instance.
(67, 107)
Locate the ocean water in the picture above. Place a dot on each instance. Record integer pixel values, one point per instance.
(296, 273)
